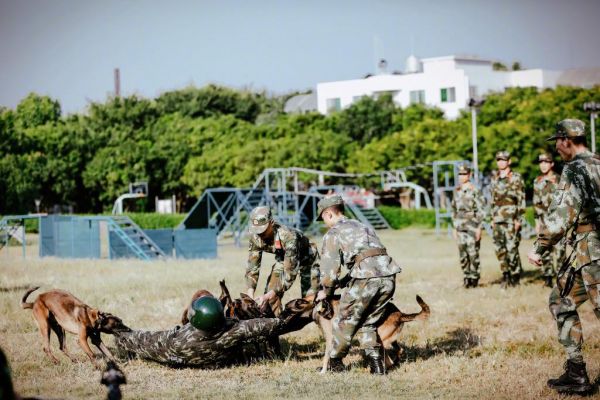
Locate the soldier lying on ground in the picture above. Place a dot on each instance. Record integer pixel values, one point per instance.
(210, 340)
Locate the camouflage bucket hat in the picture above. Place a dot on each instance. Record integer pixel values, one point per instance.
(260, 218)
(464, 170)
(503, 155)
(545, 157)
(327, 202)
(568, 128)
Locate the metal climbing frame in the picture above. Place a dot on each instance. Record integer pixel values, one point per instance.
(445, 179)
(14, 226)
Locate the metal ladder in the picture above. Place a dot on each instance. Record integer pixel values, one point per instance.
(134, 237)
(7, 231)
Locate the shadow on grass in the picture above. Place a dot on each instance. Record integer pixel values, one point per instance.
(458, 341)
(18, 288)
(302, 351)
(527, 277)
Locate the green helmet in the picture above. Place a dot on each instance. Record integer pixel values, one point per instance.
(206, 313)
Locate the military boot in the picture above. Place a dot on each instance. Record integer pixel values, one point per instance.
(515, 279)
(466, 283)
(505, 280)
(548, 281)
(376, 365)
(474, 282)
(575, 380)
(336, 365)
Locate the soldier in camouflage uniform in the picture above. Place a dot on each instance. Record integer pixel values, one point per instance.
(294, 254)
(575, 208)
(207, 341)
(468, 211)
(352, 245)
(543, 188)
(508, 206)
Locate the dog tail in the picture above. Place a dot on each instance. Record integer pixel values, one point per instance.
(423, 314)
(25, 305)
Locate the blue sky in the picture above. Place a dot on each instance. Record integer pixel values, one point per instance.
(68, 49)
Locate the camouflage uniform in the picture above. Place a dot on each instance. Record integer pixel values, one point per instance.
(191, 347)
(468, 211)
(508, 207)
(370, 289)
(543, 188)
(575, 202)
(294, 253)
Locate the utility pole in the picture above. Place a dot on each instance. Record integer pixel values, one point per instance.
(593, 108)
(474, 105)
(117, 77)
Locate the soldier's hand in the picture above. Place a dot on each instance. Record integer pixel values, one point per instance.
(321, 295)
(478, 235)
(534, 258)
(517, 226)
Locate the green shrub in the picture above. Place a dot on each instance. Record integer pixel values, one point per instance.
(399, 218)
(156, 221)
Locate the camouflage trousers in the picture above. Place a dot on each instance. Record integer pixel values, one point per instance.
(552, 260)
(564, 310)
(309, 278)
(468, 252)
(361, 307)
(506, 244)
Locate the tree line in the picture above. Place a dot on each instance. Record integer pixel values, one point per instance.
(187, 140)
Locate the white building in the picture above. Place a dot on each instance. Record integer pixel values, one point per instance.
(444, 82)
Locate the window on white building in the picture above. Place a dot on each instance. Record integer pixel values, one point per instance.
(392, 93)
(417, 97)
(334, 104)
(448, 95)
(473, 92)
(358, 98)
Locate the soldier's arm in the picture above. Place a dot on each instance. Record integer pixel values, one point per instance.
(253, 266)
(521, 206)
(330, 263)
(453, 207)
(480, 204)
(561, 216)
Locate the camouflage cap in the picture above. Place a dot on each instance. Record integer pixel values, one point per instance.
(327, 202)
(464, 169)
(260, 218)
(568, 128)
(545, 157)
(503, 155)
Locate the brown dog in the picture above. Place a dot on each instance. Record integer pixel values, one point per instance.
(198, 294)
(60, 311)
(391, 323)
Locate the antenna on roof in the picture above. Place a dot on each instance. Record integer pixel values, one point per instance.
(377, 52)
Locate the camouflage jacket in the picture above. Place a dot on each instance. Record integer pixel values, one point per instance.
(188, 346)
(341, 244)
(468, 207)
(508, 197)
(575, 201)
(543, 188)
(290, 247)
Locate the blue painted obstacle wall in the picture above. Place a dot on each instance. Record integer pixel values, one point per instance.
(69, 237)
(196, 243)
(186, 243)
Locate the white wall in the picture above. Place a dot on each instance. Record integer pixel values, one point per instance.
(438, 73)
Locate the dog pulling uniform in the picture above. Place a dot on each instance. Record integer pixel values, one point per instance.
(508, 207)
(187, 346)
(356, 247)
(544, 187)
(468, 211)
(294, 254)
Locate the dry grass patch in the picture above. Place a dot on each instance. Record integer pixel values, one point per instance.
(480, 343)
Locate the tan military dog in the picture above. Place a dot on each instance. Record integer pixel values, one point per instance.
(391, 323)
(60, 311)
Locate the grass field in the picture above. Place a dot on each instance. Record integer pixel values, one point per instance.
(478, 344)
